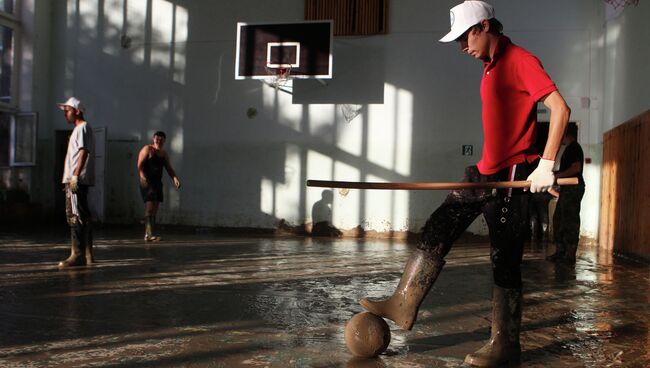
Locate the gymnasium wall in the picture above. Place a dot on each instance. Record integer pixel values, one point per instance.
(418, 104)
(626, 71)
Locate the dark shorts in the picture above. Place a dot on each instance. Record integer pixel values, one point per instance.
(152, 192)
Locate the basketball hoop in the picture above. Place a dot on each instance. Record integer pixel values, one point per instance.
(621, 4)
(279, 77)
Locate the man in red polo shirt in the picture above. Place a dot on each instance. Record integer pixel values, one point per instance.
(513, 82)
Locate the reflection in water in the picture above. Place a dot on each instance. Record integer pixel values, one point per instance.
(365, 363)
(598, 302)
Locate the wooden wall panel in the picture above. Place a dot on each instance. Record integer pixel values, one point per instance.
(625, 191)
(350, 17)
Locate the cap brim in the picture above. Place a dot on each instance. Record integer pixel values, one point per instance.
(63, 105)
(452, 35)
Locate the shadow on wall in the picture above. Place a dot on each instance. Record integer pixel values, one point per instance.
(321, 214)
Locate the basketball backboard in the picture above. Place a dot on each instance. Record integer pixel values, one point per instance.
(303, 49)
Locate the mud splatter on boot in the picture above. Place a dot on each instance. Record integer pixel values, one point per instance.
(421, 271)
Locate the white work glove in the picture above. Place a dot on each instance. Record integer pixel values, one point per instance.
(542, 179)
(177, 182)
(74, 183)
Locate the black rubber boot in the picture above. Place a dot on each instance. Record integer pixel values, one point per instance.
(88, 241)
(421, 271)
(559, 253)
(570, 254)
(504, 347)
(76, 254)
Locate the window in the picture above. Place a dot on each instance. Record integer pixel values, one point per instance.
(6, 63)
(9, 28)
(22, 138)
(17, 139)
(351, 17)
(7, 6)
(5, 132)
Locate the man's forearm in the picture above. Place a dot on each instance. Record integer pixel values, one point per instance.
(83, 157)
(557, 125)
(170, 169)
(559, 119)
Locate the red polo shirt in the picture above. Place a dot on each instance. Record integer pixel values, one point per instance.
(513, 81)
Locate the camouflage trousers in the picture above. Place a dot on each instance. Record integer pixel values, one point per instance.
(506, 215)
(77, 214)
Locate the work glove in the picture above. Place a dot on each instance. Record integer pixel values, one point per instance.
(177, 182)
(542, 178)
(74, 183)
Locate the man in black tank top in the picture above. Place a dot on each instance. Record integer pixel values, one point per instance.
(151, 160)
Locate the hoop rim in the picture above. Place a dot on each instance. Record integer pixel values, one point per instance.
(279, 73)
(279, 78)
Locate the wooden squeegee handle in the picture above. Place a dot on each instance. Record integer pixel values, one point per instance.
(430, 186)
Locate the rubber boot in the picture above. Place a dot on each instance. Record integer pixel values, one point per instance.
(533, 229)
(544, 230)
(570, 254)
(559, 253)
(88, 250)
(76, 255)
(504, 347)
(421, 271)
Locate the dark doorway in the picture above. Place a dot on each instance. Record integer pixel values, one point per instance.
(542, 134)
(61, 146)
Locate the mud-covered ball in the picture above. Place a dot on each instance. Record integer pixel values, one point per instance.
(367, 335)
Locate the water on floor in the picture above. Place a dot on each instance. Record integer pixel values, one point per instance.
(208, 300)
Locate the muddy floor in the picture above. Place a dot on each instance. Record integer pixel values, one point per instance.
(208, 300)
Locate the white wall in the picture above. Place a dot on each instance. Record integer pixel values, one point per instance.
(419, 103)
(618, 83)
(627, 71)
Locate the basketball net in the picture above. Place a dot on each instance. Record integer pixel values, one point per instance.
(620, 4)
(278, 77)
(614, 8)
(350, 111)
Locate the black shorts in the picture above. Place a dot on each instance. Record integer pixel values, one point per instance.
(152, 193)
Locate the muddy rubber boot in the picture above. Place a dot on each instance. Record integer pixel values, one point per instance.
(570, 254)
(504, 347)
(544, 231)
(76, 255)
(88, 250)
(421, 271)
(559, 253)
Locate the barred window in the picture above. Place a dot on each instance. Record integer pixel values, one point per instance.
(351, 17)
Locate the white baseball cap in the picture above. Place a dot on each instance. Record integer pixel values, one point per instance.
(72, 102)
(465, 15)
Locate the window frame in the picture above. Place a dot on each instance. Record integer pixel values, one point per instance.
(10, 20)
(13, 135)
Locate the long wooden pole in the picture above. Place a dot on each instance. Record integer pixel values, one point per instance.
(430, 186)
